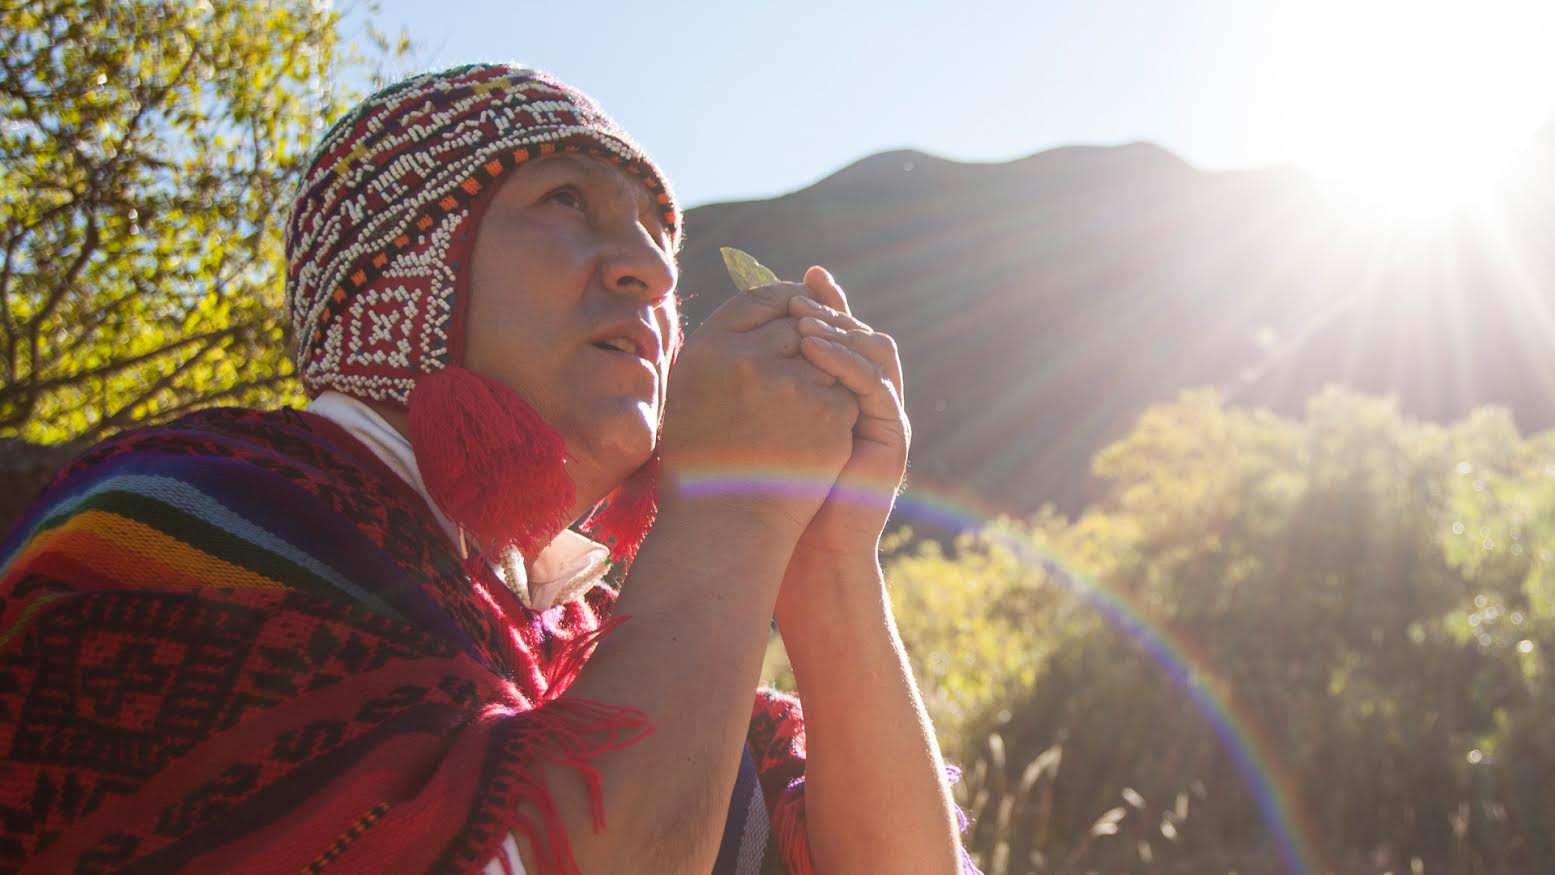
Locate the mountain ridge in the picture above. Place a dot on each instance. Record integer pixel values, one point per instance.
(1042, 303)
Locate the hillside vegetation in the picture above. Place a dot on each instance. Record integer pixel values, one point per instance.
(1272, 643)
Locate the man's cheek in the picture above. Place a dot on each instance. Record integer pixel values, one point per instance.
(674, 331)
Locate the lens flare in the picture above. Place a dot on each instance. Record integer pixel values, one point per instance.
(1249, 744)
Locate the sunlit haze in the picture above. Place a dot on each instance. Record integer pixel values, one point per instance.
(1393, 99)
(1418, 105)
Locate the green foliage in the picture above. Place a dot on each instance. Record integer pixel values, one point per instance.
(984, 622)
(1372, 595)
(148, 150)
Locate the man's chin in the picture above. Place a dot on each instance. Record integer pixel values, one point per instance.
(624, 442)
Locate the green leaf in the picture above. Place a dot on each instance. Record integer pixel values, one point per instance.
(746, 271)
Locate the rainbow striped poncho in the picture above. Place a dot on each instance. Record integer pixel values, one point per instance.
(237, 642)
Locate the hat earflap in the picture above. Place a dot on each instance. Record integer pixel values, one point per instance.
(489, 461)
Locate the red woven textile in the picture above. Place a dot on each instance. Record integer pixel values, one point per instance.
(238, 643)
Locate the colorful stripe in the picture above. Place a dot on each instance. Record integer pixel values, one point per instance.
(239, 638)
(352, 833)
(205, 521)
(746, 828)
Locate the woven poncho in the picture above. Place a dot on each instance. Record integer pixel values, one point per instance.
(237, 642)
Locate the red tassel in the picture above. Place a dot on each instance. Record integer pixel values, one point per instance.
(628, 513)
(566, 732)
(491, 463)
(567, 664)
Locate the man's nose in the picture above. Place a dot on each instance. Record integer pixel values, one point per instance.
(639, 266)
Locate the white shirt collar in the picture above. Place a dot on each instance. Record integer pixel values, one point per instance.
(563, 571)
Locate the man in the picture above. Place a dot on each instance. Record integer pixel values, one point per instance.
(364, 638)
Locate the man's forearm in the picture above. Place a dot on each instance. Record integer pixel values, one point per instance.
(876, 797)
(700, 599)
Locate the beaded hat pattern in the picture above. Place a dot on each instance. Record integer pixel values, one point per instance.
(382, 227)
(385, 217)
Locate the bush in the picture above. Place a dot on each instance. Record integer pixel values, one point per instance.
(1358, 603)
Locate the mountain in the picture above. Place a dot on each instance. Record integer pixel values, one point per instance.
(1040, 305)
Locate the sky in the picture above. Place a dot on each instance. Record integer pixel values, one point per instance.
(752, 98)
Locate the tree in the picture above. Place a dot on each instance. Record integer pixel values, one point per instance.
(147, 151)
(1369, 595)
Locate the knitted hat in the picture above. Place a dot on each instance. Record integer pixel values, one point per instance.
(377, 246)
(373, 244)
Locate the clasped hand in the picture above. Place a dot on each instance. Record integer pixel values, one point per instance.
(784, 379)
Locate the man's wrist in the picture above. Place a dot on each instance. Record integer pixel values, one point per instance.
(784, 519)
(823, 573)
(822, 599)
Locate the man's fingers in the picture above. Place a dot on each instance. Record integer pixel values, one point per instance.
(780, 339)
(879, 349)
(799, 306)
(881, 418)
(820, 281)
(749, 310)
(877, 396)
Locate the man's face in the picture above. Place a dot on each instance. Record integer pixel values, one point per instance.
(572, 306)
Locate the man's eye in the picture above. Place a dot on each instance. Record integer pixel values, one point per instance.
(567, 197)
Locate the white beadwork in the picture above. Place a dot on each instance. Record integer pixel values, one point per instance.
(359, 206)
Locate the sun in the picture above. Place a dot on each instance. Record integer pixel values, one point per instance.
(1418, 106)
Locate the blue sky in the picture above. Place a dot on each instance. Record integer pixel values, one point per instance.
(751, 98)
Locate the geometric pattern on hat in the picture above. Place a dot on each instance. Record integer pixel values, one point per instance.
(384, 219)
(392, 327)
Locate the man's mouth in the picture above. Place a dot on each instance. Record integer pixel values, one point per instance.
(632, 337)
(620, 344)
